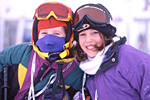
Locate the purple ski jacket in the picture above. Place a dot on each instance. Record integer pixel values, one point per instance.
(127, 79)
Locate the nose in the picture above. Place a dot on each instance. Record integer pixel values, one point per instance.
(89, 38)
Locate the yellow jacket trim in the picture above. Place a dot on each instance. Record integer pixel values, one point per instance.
(21, 74)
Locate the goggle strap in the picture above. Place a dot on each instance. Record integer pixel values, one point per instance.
(54, 15)
(69, 30)
(69, 44)
(66, 46)
(79, 24)
(64, 53)
(71, 40)
(65, 60)
(35, 31)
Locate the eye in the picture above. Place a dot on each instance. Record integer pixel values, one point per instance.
(56, 33)
(59, 33)
(95, 32)
(82, 34)
(44, 33)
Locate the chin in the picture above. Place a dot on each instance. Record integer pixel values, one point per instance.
(92, 55)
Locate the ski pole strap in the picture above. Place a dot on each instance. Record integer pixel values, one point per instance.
(32, 94)
(83, 83)
(31, 90)
(85, 97)
(58, 80)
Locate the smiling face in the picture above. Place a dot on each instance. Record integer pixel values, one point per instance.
(57, 31)
(89, 40)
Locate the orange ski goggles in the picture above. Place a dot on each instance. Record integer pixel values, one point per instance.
(58, 10)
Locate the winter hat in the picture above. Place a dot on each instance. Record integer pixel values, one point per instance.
(51, 23)
(50, 15)
(93, 16)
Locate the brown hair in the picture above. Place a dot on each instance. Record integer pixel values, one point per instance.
(82, 56)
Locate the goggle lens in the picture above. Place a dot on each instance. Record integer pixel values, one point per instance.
(95, 13)
(60, 12)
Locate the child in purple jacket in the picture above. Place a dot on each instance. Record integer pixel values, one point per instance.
(113, 70)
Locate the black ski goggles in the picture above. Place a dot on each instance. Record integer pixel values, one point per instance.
(97, 13)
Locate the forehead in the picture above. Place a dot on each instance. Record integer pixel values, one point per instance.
(89, 30)
(60, 28)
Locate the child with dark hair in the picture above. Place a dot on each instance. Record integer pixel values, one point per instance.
(113, 70)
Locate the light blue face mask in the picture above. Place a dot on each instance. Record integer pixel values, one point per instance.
(50, 43)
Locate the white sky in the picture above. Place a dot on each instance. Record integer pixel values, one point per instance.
(17, 8)
(27, 7)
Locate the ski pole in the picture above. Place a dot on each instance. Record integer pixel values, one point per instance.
(5, 72)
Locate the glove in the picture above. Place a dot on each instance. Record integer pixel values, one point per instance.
(58, 94)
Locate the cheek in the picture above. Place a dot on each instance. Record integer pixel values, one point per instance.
(64, 35)
(100, 42)
(41, 36)
(81, 41)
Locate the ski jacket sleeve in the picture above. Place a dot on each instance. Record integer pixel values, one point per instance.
(136, 71)
(13, 55)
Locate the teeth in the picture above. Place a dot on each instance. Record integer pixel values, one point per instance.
(90, 47)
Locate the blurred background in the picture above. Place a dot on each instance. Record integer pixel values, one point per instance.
(131, 17)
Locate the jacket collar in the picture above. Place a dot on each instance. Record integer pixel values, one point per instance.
(111, 57)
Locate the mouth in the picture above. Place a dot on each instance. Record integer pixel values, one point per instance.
(91, 47)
